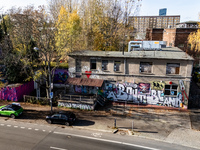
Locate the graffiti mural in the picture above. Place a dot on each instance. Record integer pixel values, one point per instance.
(143, 88)
(85, 89)
(60, 76)
(143, 94)
(71, 72)
(16, 93)
(158, 85)
(76, 106)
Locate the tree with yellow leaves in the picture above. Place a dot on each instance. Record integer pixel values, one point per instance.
(68, 30)
(194, 40)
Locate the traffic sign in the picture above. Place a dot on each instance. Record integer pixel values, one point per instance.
(51, 95)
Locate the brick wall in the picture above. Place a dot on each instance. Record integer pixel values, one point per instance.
(169, 35)
(177, 37)
(154, 34)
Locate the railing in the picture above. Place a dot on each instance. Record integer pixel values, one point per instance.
(36, 100)
(78, 98)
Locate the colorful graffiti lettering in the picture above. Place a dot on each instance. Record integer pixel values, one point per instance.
(76, 106)
(130, 92)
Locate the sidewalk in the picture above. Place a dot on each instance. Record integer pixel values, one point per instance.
(169, 125)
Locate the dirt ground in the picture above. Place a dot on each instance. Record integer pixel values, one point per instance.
(35, 112)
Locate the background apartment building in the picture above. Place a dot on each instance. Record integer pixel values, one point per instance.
(141, 23)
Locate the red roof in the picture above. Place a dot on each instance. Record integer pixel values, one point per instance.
(85, 82)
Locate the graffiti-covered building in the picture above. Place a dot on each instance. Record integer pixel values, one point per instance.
(160, 77)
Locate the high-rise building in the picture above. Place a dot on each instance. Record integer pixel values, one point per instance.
(141, 23)
(163, 12)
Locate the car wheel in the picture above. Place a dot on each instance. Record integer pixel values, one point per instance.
(67, 123)
(12, 116)
(49, 121)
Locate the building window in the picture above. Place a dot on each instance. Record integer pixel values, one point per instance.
(104, 65)
(145, 67)
(181, 45)
(93, 64)
(172, 68)
(78, 65)
(171, 89)
(117, 65)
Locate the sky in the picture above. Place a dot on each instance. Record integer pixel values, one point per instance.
(187, 9)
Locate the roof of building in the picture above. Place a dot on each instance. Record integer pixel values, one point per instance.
(85, 82)
(154, 16)
(164, 53)
(189, 22)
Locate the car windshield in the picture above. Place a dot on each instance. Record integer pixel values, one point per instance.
(15, 107)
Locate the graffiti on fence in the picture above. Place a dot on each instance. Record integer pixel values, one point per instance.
(76, 106)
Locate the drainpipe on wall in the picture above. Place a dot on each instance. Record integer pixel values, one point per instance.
(124, 66)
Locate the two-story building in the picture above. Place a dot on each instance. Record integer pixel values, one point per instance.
(157, 77)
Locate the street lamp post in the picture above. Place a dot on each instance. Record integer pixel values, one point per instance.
(49, 73)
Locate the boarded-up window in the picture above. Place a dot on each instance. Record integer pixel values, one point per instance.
(173, 68)
(146, 67)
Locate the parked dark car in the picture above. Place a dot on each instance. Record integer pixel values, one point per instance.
(67, 118)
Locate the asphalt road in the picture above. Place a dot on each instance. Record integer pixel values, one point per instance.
(16, 135)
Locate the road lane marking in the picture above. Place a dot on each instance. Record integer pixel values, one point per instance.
(43, 130)
(2, 124)
(15, 126)
(29, 128)
(8, 125)
(105, 140)
(36, 129)
(22, 127)
(97, 134)
(57, 148)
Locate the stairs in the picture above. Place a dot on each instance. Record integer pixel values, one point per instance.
(101, 100)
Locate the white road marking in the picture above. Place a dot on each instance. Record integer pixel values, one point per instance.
(22, 127)
(8, 125)
(57, 148)
(97, 134)
(29, 128)
(43, 130)
(15, 126)
(36, 129)
(105, 140)
(2, 124)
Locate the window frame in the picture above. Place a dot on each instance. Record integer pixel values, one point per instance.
(93, 63)
(117, 64)
(78, 68)
(104, 66)
(148, 65)
(170, 89)
(176, 69)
